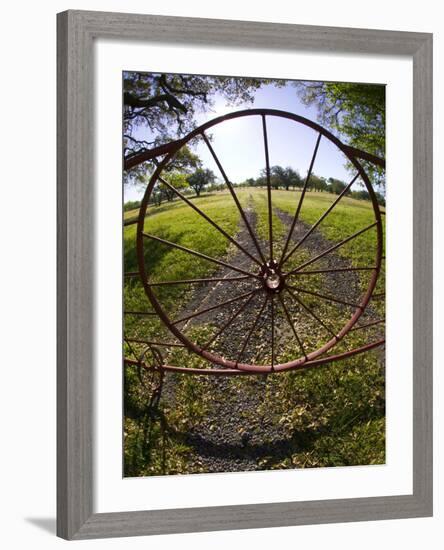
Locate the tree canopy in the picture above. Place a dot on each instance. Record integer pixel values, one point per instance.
(200, 178)
(282, 177)
(178, 180)
(184, 161)
(355, 112)
(158, 108)
(336, 186)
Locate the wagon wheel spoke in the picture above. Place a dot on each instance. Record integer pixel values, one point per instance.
(230, 320)
(272, 333)
(278, 292)
(324, 296)
(153, 313)
(126, 223)
(155, 343)
(335, 270)
(252, 329)
(234, 196)
(129, 341)
(301, 198)
(290, 322)
(209, 220)
(198, 254)
(267, 172)
(212, 308)
(324, 215)
(240, 279)
(312, 313)
(366, 325)
(331, 249)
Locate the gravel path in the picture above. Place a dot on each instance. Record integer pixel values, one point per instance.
(233, 436)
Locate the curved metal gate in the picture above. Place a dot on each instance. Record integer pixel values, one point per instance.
(275, 275)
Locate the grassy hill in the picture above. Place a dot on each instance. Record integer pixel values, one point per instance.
(327, 416)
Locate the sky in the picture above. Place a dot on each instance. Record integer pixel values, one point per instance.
(239, 143)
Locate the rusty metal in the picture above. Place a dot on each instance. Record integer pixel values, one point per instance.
(198, 254)
(290, 322)
(299, 206)
(270, 208)
(359, 154)
(139, 312)
(209, 220)
(212, 308)
(154, 343)
(131, 221)
(233, 194)
(230, 320)
(371, 324)
(331, 249)
(270, 269)
(252, 329)
(335, 270)
(312, 313)
(203, 280)
(230, 372)
(284, 257)
(323, 296)
(131, 161)
(272, 333)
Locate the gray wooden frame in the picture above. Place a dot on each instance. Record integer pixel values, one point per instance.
(77, 31)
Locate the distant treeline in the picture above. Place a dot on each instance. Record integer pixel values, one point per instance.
(288, 178)
(280, 178)
(131, 205)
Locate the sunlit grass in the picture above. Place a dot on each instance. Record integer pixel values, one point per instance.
(332, 415)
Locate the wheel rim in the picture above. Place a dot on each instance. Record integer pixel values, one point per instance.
(272, 279)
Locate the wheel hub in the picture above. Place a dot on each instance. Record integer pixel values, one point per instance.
(272, 278)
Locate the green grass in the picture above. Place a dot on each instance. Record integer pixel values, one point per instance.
(177, 223)
(332, 416)
(346, 218)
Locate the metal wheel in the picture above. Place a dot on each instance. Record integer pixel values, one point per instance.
(275, 271)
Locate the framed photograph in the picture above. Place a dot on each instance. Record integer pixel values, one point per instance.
(244, 274)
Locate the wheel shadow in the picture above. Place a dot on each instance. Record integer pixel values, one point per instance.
(274, 451)
(150, 421)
